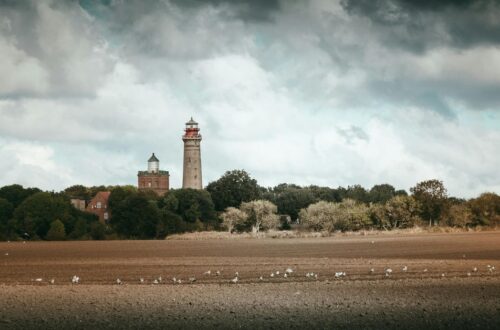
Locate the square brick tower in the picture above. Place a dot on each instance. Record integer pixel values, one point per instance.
(191, 177)
(154, 179)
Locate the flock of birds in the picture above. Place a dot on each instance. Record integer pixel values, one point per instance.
(275, 274)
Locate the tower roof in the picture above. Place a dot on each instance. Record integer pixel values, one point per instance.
(191, 122)
(153, 158)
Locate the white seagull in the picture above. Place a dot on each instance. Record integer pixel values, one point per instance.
(75, 279)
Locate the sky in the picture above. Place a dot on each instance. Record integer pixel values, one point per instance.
(330, 93)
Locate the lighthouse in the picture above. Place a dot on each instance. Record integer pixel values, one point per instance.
(191, 177)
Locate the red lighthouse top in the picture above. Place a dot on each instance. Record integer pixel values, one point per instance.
(192, 129)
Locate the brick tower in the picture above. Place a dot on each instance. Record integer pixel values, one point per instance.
(192, 156)
(153, 178)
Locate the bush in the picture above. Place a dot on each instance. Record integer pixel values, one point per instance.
(56, 231)
(343, 216)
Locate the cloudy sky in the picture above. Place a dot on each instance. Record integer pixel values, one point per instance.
(307, 92)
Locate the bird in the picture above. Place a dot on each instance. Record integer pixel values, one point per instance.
(405, 268)
(155, 281)
(217, 273)
(339, 274)
(179, 281)
(442, 275)
(192, 279)
(316, 276)
(425, 270)
(372, 270)
(261, 278)
(38, 280)
(289, 270)
(174, 280)
(474, 269)
(277, 272)
(159, 279)
(272, 275)
(52, 281)
(388, 271)
(285, 275)
(141, 280)
(6, 253)
(469, 274)
(235, 280)
(208, 272)
(118, 281)
(236, 274)
(75, 279)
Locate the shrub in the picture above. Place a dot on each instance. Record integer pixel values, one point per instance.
(56, 231)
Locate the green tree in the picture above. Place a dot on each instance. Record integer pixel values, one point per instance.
(193, 205)
(233, 188)
(136, 217)
(357, 193)
(80, 229)
(119, 194)
(170, 223)
(97, 231)
(261, 215)
(6, 210)
(486, 209)
(56, 231)
(432, 196)
(381, 193)
(16, 193)
(291, 200)
(78, 191)
(398, 212)
(35, 214)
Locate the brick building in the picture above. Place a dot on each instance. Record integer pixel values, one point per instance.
(99, 206)
(153, 179)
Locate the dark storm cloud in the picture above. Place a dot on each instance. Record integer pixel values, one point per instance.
(419, 25)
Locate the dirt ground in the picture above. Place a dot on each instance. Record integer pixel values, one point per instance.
(437, 281)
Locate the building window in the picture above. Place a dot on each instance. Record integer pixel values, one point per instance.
(149, 184)
(98, 205)
(105, 215)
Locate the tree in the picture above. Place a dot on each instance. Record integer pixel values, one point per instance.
(381, 193)
(291, 200)
(97, 231)
(261, 215)
(432, 196)
(170, 223)
(346, 215)
(136, 217)
(233, 188)
(16, 194)
(35, 214)
(6, 210)
(459, 215)
(233, 217)
(398, 212)
(78, 191)
(357, 193)
(56, 231)
(192, 205)
(486, 209)
(120, 193)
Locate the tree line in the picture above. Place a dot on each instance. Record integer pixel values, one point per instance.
(235, 202)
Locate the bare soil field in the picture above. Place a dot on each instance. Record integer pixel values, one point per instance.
(437, 281)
